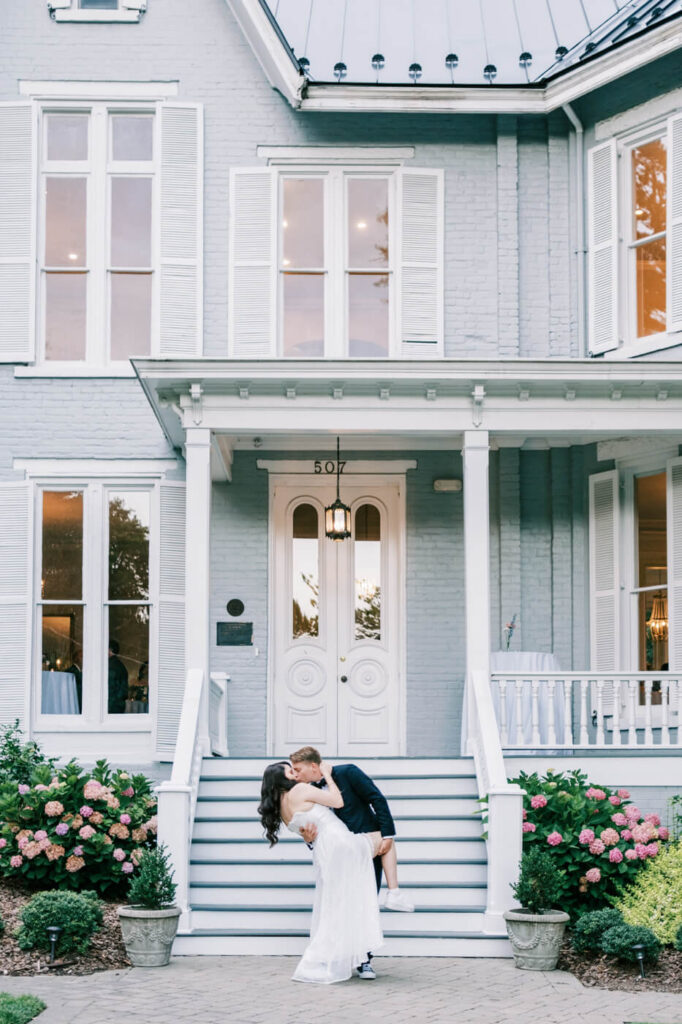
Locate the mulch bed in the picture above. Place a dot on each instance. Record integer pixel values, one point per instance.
(597, 970)
(106, 952)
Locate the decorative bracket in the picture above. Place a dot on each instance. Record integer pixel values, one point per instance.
(195, 393)
(478, 395)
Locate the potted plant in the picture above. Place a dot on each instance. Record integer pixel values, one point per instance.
(150, 921)
(535, 930)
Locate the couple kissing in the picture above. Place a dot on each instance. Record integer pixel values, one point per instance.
(345, 819)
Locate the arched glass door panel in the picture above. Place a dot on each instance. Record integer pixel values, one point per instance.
(367, 573)
(305, 572)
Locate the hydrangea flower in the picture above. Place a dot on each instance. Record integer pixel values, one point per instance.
(128, 792)
(653, 819)
(586, 836)
(93, 790)
(62, 829)
(125, 819)
(78, 851)
(663, 833)
(119, 854)
(87, 832)
(615, 800)
(40, 834)
(16, 861)
(652, 849)
(53, 808)
(127, 868)
(538, 801)
(593, 875)
(119, 830)
(615, 855)
(74, 863)
(3, 844)
(85, 811)
(641, 851)
(55, 852)
(597, 847)
(554, 838)
(609, 837)
(595, 794)
(632, 813)
(623, 794)
(619, 819)
(23, 842)
(631, 854)
(96, 818)
(23, 788)
(527, 826)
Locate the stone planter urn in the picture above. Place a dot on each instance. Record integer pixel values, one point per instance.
(148, 934)
(536, 938)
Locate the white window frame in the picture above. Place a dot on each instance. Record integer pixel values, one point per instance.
(95, 600)
(70, 10)
(98, 170)
(336, 270)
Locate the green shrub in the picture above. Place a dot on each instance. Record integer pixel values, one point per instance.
(2, 925)
(590, 929)
(540, 884)
(79, 915)
(678, 939)
(19, 1009)
(153, 887)
(653, 899)
(19, 759)
(70, 829)
(619, 941)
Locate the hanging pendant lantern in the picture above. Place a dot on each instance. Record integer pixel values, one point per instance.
(658, 621)
(337, 515)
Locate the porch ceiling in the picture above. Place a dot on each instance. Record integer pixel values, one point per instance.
(396, 404)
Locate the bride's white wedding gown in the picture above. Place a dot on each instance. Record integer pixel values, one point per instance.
(345, 925)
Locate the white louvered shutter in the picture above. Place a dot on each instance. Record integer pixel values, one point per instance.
(674, 525)
(602, 259)
(252, 291)
(420, 277)
(171, 642)
(181, 230)
(675, 224)
(16, 546)
(17, 232)
(604, 572)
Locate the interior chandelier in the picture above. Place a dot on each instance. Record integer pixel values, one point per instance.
(337, 515)
(658, 620)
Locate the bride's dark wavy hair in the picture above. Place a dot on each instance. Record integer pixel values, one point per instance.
(274, 784)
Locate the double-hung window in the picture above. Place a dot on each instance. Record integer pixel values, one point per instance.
(336, 261)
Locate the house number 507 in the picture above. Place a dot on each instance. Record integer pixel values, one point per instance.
(329, 466)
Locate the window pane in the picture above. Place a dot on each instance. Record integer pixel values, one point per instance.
(65, 299)
(651, 287)
(128, 660)
(131, 222)
(367, 222)
(303, 314)
(132, 137)
(652, 564)
(368, 314)
(305, 572)
(98, 5)
(303, 222)
(128, 545)
(367, 549)
(67, 136)
(65, 222)
(62, 661)
(131, 302)
(649, 164)
(62, 568)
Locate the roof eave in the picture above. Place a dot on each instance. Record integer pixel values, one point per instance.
(270, 48)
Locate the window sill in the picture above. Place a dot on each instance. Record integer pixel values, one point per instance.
(97, 16)
(73, 723)
(645, 346)
(75, 370)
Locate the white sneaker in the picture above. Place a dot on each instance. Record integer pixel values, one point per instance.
(395, 900)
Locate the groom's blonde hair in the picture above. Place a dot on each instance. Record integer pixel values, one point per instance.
(306, 754)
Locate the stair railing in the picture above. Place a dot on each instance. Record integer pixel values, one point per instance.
(178, 795)
(505, 801)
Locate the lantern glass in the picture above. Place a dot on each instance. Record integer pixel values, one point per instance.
(337, 521)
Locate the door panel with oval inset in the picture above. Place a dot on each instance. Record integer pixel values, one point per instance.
(337, 630)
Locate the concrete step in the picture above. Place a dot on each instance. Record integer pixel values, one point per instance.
(235, 894)
(231, 942)
(466, 805)
(455, 868)
(257, 919)
(390, 785)
(217, 827)
(375, 767)
(258, 851)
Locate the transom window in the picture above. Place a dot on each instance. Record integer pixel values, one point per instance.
(97, 250)
(647, 235)
(335, 263)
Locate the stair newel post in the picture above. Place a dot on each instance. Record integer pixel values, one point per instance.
(174, 811)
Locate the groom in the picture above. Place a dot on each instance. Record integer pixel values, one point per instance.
(364, 810)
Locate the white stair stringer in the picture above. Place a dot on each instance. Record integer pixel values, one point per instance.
(249, 900)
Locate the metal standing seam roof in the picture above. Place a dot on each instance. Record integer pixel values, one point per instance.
(457, 42)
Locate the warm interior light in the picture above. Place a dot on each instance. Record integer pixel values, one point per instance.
(285, 223)
(286, 262)
(639, 213)
(73, 255)
(361, 225)
(658, 622)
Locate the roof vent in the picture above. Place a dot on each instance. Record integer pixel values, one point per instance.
(560, 52)
(526, 59)
(656, 13)
(304, 65)
(340, 70)
(632, 21)
(451, 61)
(415, 72)
(490, 72)
(378, 61)
(589, 48)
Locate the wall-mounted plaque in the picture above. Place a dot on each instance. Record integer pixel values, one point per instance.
(235, 607)
(234, 634)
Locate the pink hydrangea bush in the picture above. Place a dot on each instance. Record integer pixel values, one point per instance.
(56, 826)
(599, 839)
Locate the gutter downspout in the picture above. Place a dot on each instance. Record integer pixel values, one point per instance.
(580, 226)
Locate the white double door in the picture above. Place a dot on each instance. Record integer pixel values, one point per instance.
(336, 679)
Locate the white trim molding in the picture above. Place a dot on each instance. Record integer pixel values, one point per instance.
(285, 155)
(130, 11)
(109, 91)
(94, 468)
(361, 467)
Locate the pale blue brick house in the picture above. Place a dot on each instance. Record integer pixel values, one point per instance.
(233, 233)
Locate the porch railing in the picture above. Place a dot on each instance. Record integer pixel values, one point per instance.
(217, 713)
(587, 709)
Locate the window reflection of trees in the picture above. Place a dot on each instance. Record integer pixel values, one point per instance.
(649, 187)
(305, 572)
(367, 573)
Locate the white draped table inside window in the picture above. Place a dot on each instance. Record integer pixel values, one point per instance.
(59, 694)
(515, 663)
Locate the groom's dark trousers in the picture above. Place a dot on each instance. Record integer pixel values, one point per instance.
(364, 806)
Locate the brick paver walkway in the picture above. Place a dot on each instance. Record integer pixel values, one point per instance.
(257, 990)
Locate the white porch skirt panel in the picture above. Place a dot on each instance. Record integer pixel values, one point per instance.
(171, 633)
(16, 573)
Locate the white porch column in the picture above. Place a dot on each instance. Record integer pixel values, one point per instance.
(477, 550)
(197, 562)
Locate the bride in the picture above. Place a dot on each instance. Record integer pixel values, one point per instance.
(345, 922)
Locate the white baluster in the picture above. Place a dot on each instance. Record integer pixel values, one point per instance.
(632, 712)
(584, 738)
(615, 683)
(551, 728)
(648, 734)
(600, 713)
(534, 712)
(520, 738)
(568, 737)
(665, 712)
(502, 691)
